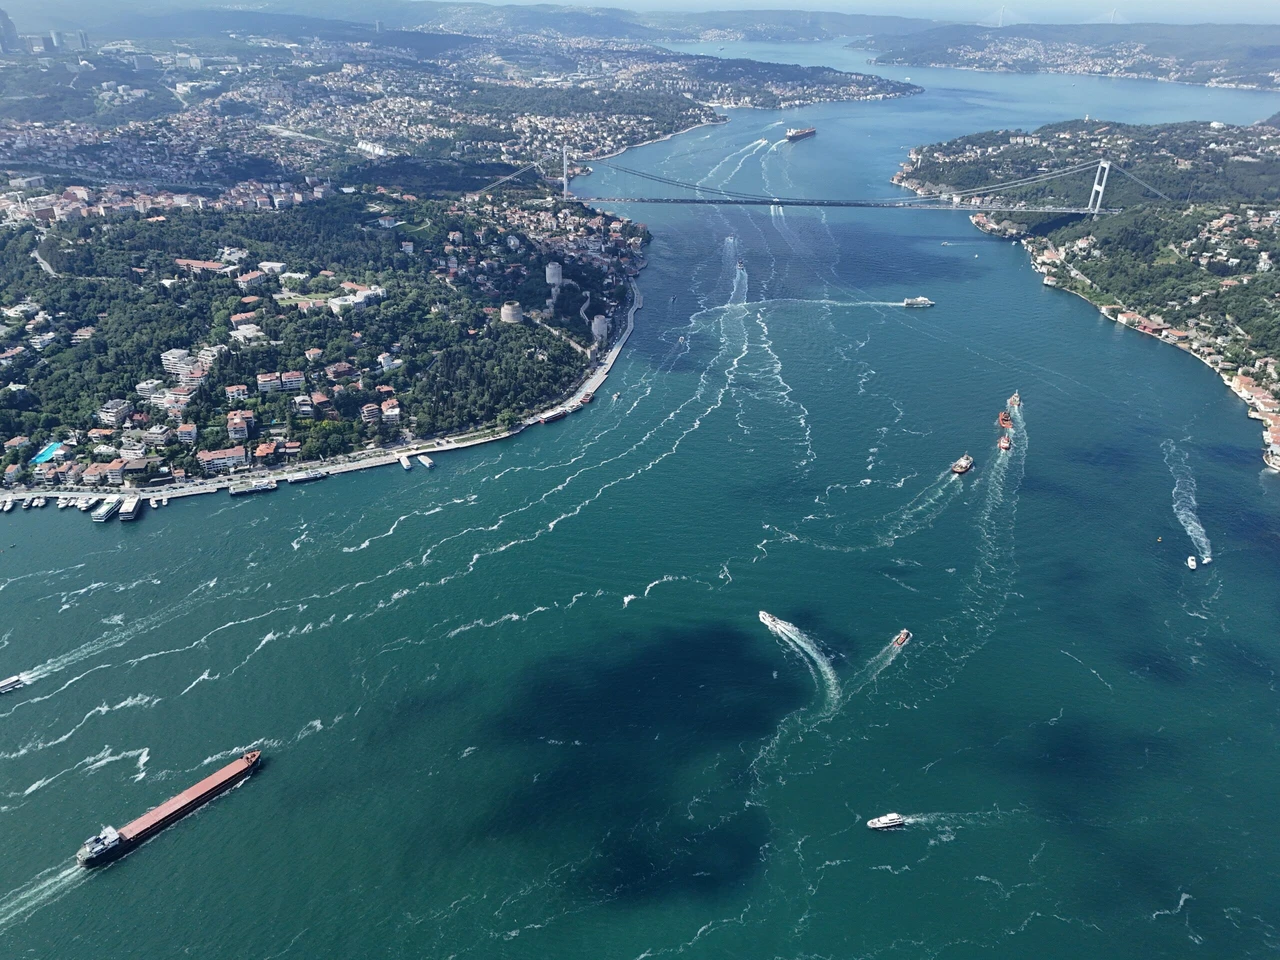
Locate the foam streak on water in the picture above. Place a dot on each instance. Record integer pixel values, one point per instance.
(47, 887)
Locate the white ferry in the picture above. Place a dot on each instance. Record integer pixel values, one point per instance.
(917, 302)
(6, 506)
(426, 461)
(108, 510)
(88, 503)
(130, 509)
(404, 462)
(257, 486)
(890, 821)
(12, 683)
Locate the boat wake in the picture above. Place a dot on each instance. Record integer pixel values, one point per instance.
(872, 669)
(1184, 498)
(46, 888)
(819, 665)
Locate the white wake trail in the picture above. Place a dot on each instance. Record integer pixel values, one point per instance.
(1184, 498)
(51, 885)
(818, 663)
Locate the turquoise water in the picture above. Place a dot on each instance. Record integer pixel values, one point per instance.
(523, 706)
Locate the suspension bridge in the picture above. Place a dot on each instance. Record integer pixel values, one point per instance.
(972, 200)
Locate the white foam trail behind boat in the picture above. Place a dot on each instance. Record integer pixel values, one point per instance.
(53, 884)
(819, 666)
(1184, 498)
(873, 668)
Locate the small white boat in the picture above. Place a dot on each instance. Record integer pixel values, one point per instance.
(890, 821)
(426, 461)
(404, 462)
(1191, 562)
(164, 502)
(152, 503)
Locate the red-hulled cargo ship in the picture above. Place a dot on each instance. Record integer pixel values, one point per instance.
(112, 843)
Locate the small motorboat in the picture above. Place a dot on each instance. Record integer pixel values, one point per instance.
(616, 396)
(1005, 443)
(963, 465)
(1191, 562)
(903, 636)
(1015, 400)
(890, 821)
(1005, 420)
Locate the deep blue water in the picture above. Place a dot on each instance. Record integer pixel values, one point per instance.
(523, 705)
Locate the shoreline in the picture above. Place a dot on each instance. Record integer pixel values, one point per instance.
(591, 381)
(1270, 460)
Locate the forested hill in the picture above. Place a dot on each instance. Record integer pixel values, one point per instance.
(1198, 254)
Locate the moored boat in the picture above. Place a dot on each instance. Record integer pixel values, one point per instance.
(6, 506)
(903, 636)
(588, 397)
(107, 510)
(130, 509)
(554, 416)
(308, 476)
(963, 465)
(426, 461)
(257, 486)
(890, 821)
(404, 462)
(112, 843)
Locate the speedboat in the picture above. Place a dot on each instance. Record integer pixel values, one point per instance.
(890, 821)
(769, 620)
(963, 465)
(1015, 400)
(1191, 562)
(903, 636)
(1005, 443)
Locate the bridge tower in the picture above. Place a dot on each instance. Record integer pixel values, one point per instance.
(1099, 185)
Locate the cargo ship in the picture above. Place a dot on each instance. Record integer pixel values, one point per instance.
(794, 134)
(111, 843)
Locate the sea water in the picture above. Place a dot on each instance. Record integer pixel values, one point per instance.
(523, 705)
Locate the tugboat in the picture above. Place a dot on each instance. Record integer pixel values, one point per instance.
(903, 636)
(1005, 444)
(1005, 420)
(890, 821)
(1015, 400)
(963, 465)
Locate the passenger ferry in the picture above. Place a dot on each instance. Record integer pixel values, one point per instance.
(917, 302)
(890, 821)
(130, 509)
(257, 486)
(426, 461)
(404, 462)
(109, 508)
(12, 683)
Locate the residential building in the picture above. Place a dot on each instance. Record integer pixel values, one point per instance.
(292, 380)
(220, 461)
(113, 413)
(237, 428)
(268, 382)
(237, 391)
(391, 410)
(187, 433)
(370, 413)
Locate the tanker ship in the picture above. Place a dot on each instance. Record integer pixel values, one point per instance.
(112, 843)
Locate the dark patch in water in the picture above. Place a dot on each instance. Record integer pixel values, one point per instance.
(644, 723)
